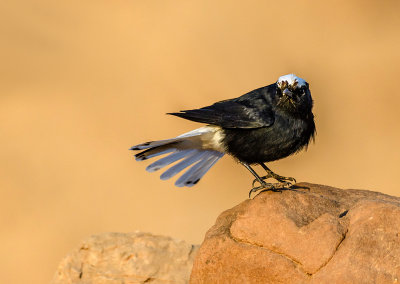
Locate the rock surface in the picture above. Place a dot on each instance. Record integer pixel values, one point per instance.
(310, 234)
(127, 258)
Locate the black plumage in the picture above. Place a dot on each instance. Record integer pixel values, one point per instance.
(257, 128)
(264, 125)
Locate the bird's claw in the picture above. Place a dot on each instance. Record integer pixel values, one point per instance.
(270, 186)
(285, 181)
(291, 179)
(263, 186)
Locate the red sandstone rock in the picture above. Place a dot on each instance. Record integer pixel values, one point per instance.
(316, 235)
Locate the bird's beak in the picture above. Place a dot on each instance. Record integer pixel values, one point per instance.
(288, 93)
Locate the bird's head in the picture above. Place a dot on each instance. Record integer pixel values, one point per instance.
(293, 94)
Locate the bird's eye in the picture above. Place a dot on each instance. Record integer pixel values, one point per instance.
(303, 90)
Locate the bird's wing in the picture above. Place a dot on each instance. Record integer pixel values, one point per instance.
(236, 113)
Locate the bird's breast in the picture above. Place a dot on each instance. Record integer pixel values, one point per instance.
(286, 136)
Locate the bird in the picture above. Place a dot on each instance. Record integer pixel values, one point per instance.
(261, 126)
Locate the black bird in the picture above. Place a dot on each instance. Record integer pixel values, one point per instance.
(264, 125)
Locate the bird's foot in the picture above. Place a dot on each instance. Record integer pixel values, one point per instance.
(283, 181)
(266, 186)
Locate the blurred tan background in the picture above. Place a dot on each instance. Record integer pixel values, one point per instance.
(82, 81)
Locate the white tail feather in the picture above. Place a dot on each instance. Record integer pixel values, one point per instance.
(156, 154)
(189, 149)
(195, 173)
(153, 144)
(167, 160)
(190, 159)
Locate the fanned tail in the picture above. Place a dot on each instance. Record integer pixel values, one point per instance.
(186, 150)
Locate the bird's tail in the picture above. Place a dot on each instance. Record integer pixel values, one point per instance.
(187, 149)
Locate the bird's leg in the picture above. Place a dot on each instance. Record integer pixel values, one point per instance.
(263, 184)
(284, 181)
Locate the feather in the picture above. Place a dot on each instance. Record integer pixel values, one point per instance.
(153, 152)
(234, 113)
(195, 177)
(193, 157)
(153, 144)
(196, 172)
(187, 150)
(175, 156)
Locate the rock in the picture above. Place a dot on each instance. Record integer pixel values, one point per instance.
(127, 258)
(310, 234)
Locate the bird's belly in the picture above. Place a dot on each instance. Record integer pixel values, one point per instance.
(265, 144)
